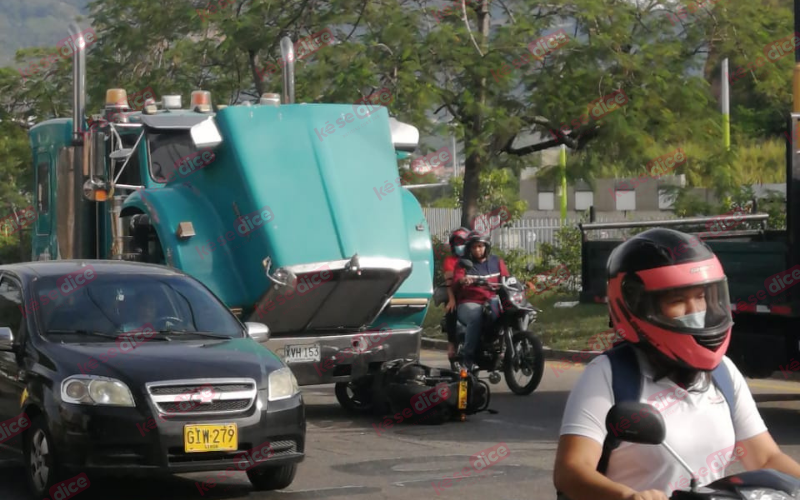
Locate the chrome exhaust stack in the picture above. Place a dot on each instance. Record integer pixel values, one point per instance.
(78, 83)
(287, 52)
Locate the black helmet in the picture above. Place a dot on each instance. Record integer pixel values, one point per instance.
(667, 291)
(476, 237)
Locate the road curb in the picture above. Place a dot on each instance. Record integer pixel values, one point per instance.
(583, 357)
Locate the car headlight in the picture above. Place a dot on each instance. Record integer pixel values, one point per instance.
(93, 390)
(282, 384)
(765, 494)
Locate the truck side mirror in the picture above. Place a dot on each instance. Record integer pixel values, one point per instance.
(6, 339)
(121, 154)
(405, 137)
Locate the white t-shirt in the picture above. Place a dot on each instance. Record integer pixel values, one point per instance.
(699, 427)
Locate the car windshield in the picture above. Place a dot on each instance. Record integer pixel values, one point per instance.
(114, 304)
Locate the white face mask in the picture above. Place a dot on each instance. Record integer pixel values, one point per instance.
(694, 320)
(460, 250)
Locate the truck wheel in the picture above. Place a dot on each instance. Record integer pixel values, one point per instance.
(41, 467)
(353, 398)
(272, 478)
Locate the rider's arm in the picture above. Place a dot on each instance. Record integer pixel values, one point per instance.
(575, 473)
(458, 274)
(503, 268)
(755, 446)
(448, 280)
(762, 452)
(582, 434)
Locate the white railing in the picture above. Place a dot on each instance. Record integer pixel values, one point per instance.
(526, 233)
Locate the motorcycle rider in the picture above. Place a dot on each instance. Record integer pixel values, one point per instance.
(668, 299)
(471, 298)
(458, 240)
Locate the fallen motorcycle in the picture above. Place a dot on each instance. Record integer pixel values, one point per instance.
(505, 343)
(418, 394)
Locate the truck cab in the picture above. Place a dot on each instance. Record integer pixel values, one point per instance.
(281, 222)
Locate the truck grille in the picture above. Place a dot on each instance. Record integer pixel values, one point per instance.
(202, 396)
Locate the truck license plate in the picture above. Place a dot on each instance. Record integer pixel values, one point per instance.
(301, 353)
(203, 438)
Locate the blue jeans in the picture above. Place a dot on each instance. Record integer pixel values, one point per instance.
(471, 314)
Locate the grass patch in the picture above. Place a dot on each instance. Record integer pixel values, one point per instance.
(569, 327)
(560, 328)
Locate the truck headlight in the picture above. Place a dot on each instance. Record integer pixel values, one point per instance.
(282, 384)
(94, 390)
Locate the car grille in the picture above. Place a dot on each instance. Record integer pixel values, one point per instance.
(202, 396)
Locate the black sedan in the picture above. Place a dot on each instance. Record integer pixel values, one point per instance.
(134, 368)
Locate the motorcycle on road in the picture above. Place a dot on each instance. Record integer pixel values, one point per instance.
(505, 343)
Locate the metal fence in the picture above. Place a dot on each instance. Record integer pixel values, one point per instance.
(525, 234)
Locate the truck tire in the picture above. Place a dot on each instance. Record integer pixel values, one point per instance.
(276, 477)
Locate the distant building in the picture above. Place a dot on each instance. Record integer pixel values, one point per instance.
(647, 197)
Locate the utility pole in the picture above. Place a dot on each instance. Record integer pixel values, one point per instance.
(726, 106)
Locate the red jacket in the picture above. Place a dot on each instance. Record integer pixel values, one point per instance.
(491, 269)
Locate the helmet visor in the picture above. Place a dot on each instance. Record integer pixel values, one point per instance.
(697, 309)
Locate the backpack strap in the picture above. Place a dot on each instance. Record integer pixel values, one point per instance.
(722, 378)
(626, 382)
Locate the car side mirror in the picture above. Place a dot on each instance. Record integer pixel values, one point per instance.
(257, 331)
(6, 339)
(636, 422)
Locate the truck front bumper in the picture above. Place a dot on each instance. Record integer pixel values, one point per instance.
(344, 357)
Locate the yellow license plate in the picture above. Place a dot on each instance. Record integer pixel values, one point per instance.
(462, 395)
(203, 438)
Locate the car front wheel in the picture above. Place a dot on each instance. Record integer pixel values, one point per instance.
(272, 478)
(42, 470)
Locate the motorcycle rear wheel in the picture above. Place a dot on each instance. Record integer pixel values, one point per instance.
(530, 357)
(353, 397)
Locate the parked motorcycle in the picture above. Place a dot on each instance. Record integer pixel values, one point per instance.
(764, 484)
(505, 343)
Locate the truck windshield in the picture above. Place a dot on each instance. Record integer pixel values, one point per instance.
(168, 148)
(114, 304)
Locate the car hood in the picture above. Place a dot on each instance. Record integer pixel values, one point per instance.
(158, 360)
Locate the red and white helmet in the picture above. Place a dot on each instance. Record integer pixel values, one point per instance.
(667, 289)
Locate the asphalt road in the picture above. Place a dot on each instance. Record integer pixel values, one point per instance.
(349, 458)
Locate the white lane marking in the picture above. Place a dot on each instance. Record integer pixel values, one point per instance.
(332, 488)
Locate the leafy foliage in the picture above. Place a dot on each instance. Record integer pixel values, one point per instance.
(565, 251)
(469, 74)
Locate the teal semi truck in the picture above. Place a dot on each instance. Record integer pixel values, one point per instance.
(264, 203)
